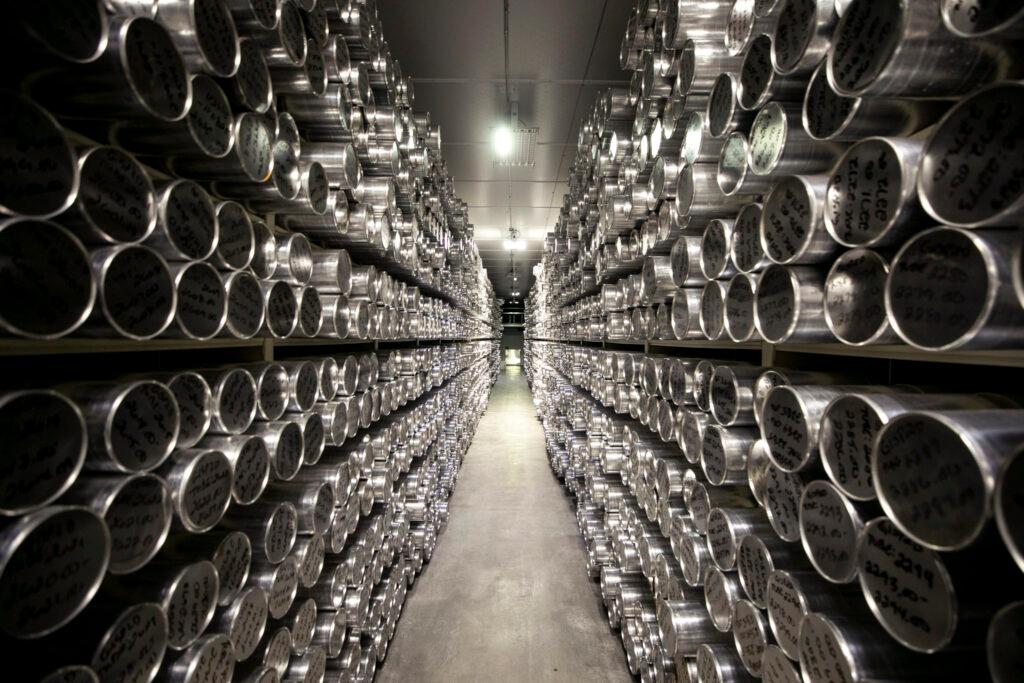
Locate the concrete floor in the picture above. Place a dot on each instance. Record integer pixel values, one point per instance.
(506, 596)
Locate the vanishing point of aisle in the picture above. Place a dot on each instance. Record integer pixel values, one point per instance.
(506, 596)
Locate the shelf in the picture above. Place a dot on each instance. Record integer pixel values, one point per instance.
(1011, 358)
(32, 347)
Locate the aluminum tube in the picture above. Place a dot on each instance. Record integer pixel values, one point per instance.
(758, 464)
(244, 621)
(975, 308)
(776, 376)
(64, 583)
(116, 201)
(286, 44)
(969, 20)
(251, 159)
(250, 88)
(855, 299)
(872, 198)
(1003, 642)
(133, 645)
(721, 591)
(233, 392)
(757, 556)
(685, 20)
(894, 36)
(734, 175)
(760, 82)
(712, 310)
(777, 668)
(792, 595)
(264, 261)
(186, 227)
(802, 35)
(236, 244)
(74, 32)
(699, 197)
(132, 426)
(970, 188)
(202, 301)
(254, 15)
(685, 259)
(779, 145)
(192, 394)
(750, 634)
(50, 431)
(684, 626)
(664, 177)
(744, 25)
(971, 447)
(702, 374)
(308, 79)
(205, 131)
(850, 425)
(731, 394)
(685, 313)
(1008, 507)
(337, 61)
(704, 497)
(47, 180)
(245, 307)
(745, 250)
(284, 439)
(725, 529)
(271, 528)
(310, 312)
(50, 285)
(828, 115)
(204, 32)
(303, 384)
(724, 114)
(830, 525)
(792, 222)
(282, 309)
(740, 294)
(714, 250)
(140, 76)
(210, 658)
(701, 62)
(721, 663)
(250, 461)
(788, 305)
(892, 568)
(656, 280)
(339, 161)
(782, 491)
(201, 482)
(137, 511)
(280, 195)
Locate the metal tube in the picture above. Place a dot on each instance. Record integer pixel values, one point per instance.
(282, 309)
(777, 668)
(872, 197)
(724, 114)
(757, 557)
(731, 394)
(685, 20)
(250, 88)
(140, 76)
(46, 590)
(245, 307)
(201, 482)
(186, 227)
(789, 305)
(202, 309)
(49, 283)
(793, 223)
(116, 201)
(286, 44)
(1003, 643)
(684, 626)
(294, 259)
(699, 197)
(251, 159)
(133, 646)
(725, 529)
(714, 250)
(893, 36)
(74, 32)
(721, 591)
(745, 248)
(760, 82)
(781, 499)
(234, 400)
(264, 260)
(137, 511)
(734, 176)
(236, 245)
(975, 307)
(744, 24)
(779, 146)
(712, 310)
(204, 32)
(132, 426)
(829, 528)
(244, 621)
(310, 313)
(792, 595)
(957, 455)
(205, 130)
(308, 79)
(827, 115)
(739, 307)
(803, 35)
(284, 440)
(893, 568)
(854, 298)
(701, 62)
(210, 658)
(721, 663)
(250, 461)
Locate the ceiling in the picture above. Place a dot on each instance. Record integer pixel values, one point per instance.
(454, 52)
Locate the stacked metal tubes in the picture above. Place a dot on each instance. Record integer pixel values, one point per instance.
(767, 523)
(232, 168)
(795, 175)
(198, 169)
(199, 525)
(773, 174)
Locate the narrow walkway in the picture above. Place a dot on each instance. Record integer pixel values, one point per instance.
(506, 596)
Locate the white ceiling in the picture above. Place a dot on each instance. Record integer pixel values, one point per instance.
(454, 52)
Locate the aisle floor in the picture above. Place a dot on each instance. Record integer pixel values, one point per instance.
(506, 596)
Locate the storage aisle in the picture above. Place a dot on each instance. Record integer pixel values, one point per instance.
(506, 595)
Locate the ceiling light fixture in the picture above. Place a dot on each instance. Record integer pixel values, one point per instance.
(514, 244)
(503, 141)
